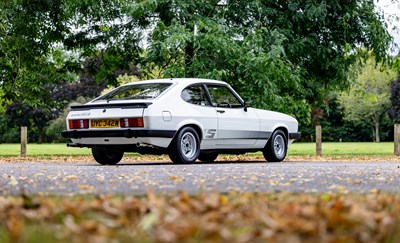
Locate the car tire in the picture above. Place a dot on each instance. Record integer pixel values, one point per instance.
(207, 157)
(185, 147)
(106, 156)
(276, 148)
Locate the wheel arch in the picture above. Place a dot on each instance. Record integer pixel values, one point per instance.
(194, 125)
(284, 129)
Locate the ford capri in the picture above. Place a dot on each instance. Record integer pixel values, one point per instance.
(189, 119)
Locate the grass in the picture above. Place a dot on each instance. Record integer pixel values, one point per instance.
(361, 148)
(346, 148)
(56, 149)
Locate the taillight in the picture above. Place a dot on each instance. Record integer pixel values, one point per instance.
(78, 124)
(132, 122)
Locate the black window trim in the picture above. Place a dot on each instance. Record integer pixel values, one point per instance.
(230, 89)
(204, 89)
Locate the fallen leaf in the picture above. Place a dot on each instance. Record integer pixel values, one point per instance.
(175, 178)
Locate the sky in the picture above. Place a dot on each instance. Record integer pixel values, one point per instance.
(391, 10)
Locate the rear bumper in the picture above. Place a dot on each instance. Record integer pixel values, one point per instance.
(123, 133)
(295, 135)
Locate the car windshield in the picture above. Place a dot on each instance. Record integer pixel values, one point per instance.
(135, 92)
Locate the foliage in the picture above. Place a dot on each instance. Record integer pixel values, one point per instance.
(53, 131)
(28, 34)
(219, 56)
(32, 35)
(105, 25)
(396, 64)
(276, 53)
(337, 129)
(107, 65)
(26, 115)
(368, 98)
(125, 79)
(8, 132)
(54, 99)
(334, 127)
(233, 217)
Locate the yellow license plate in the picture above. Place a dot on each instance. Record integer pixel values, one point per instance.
(104, 123)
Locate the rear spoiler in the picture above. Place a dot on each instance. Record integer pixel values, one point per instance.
(112, 105)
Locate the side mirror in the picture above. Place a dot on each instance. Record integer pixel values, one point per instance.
(247, 104)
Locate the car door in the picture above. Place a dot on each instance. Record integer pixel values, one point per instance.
(237, 127)
(197, 96)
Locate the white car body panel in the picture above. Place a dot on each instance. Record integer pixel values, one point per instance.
(271, 120)
(234, 124)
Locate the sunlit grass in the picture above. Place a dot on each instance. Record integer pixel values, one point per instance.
(348, 148)
(361, 148)
(42, 149)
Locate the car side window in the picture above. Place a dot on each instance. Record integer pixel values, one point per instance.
(222, 96)
(196, 95)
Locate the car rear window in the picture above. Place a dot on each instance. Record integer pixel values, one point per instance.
(136, 92)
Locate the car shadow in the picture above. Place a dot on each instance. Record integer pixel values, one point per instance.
(169, 163)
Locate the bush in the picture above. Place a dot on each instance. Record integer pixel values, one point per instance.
(9, 133)
(53, 131)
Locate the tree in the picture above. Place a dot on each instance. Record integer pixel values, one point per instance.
(33, 32)
(368, 98)
(28, 33)
(283, 55)
(336, 128)
(259, 73)
(56, 96)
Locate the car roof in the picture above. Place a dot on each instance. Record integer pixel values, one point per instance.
(178, 80)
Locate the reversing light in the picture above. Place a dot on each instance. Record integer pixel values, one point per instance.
(132, 122)
(78, 124)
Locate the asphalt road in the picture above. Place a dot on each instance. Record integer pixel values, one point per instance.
(69, 178)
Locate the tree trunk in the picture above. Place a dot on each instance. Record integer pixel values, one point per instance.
(377, 137)
(189, 54)
(40, 138)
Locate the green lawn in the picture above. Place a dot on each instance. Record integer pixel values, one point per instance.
(295, 149)
(361, 148)
(42, 149)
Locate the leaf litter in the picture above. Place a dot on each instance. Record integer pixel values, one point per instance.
(212, 217)
(256, 157)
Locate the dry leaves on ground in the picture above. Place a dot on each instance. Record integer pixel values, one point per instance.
(215, 217)
(129, 158)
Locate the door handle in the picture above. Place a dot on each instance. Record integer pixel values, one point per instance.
(221, 111)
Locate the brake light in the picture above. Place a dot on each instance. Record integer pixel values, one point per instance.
(132, 122)
(78, 124)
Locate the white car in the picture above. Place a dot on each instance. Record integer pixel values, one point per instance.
(188, 119)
